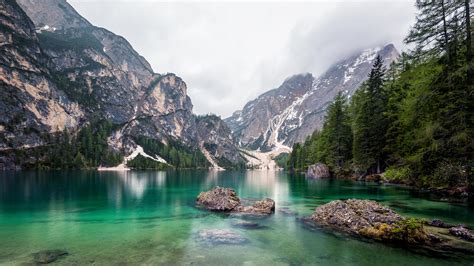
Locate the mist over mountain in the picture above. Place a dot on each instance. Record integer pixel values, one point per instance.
(293, 111)
(73, 76)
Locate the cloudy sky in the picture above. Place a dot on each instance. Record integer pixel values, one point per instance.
(230, 52)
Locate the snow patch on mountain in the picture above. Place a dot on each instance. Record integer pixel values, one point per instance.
(138, 151)
(291, 112)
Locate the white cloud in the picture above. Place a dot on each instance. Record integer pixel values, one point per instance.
(229, 53)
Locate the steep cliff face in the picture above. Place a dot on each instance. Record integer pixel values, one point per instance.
(30, 101)
(284, 119)
(164, 112)
(62, 72)
(252, 126)
(93, 66)
(216, 138)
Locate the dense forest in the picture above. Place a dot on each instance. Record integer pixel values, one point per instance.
(176, 154)
(88, 148)
(413, 120)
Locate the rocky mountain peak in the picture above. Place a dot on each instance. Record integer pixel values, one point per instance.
(58, 71)
(290, 113)
(251, 123)
(53, 14)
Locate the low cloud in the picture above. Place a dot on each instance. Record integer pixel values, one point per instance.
(229, 53)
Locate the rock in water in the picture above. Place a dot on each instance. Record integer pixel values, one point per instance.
(218, 199)
(318, 171)
(225, 199)
(287, 212)
(438, 223)
(369, 219)
(266, 206)
(221, 236)
(353, 214)
(462, 232)
(48, 256)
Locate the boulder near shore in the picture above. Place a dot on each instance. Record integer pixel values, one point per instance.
(369, 219)
(48, 256)
(318, 171)
(226, 200)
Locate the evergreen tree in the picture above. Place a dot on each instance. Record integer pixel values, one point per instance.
(79, 161)
(370, 122)
(336, 135)
(432, 30)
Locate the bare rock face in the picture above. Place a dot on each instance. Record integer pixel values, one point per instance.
(94, 67)
(216, 137)
(253, 126)
(59, 71)
(225, 199)
(218, 199)
(318, 171)
(31, 103)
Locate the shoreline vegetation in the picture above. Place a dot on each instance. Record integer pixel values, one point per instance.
(411, 122)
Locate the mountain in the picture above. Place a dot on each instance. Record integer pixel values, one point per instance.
(216, 139)
(61, 72)
(288, 114)
(30, 100)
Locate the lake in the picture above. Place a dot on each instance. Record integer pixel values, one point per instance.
(148, 217)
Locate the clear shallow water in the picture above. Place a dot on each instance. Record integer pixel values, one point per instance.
(149, 218)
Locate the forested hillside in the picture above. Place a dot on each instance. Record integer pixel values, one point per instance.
(414, 120)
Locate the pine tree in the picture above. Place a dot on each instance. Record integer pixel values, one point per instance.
(467, 22)
(79, 161)
(337, 135)
(360, 145)
(431, 32)
(370, 122)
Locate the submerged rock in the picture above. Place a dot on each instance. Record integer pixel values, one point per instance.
(48, 256)
(266, 206)
(462, 232)
(225, 199)
(287, 212)
(218, 199)
(247, 225)
(438, 223)
(318, 171)
(221, 236)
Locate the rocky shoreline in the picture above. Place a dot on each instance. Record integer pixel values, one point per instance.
(370, 220)
(451, 194)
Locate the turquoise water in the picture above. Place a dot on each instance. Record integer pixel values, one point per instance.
(149, 218)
